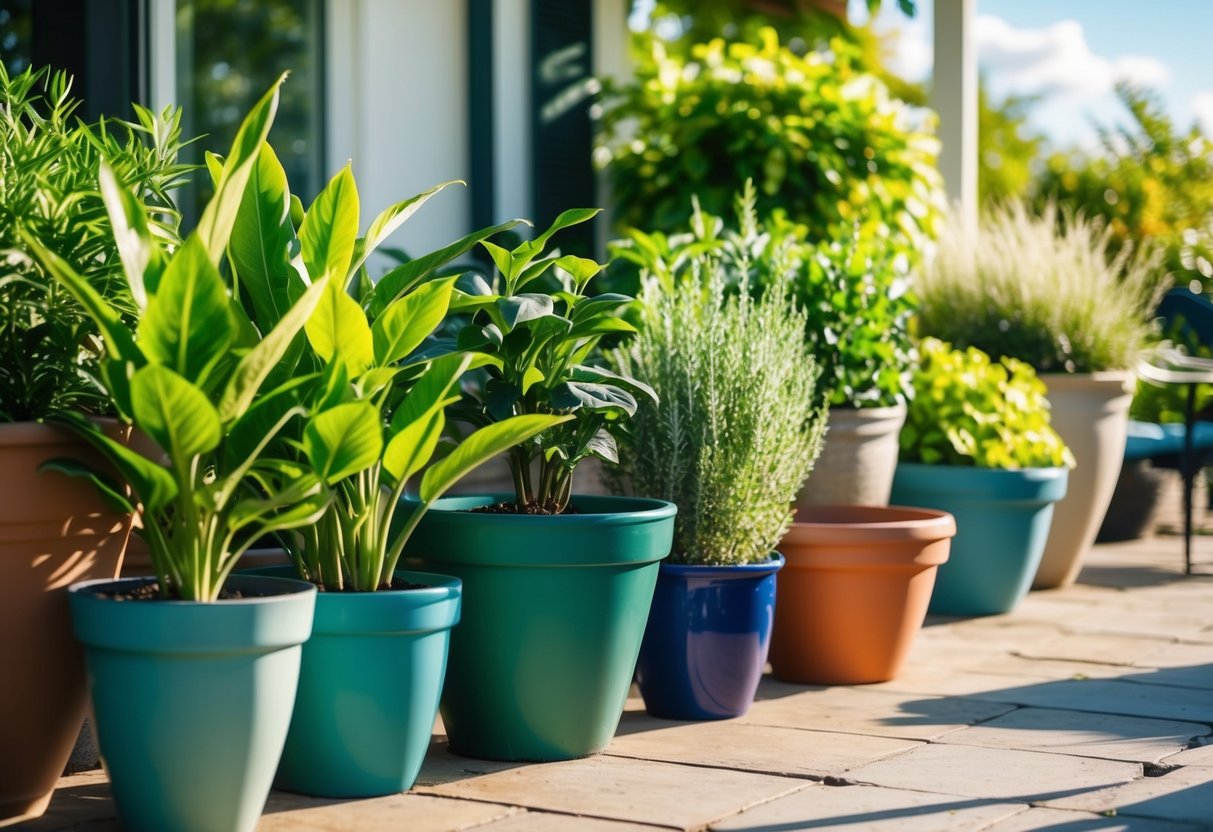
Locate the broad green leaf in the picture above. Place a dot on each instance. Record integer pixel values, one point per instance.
(188, 325)
(215, 226)
(392, 218)
(337, 330)
(151, 482)
(432, 389)
(533, 272)
(119, 344)
(585, 372)
(409, 319)
(409, 450)
(602, 445)
(257, 364)
(214, 166)
(300, 503)
(480, 447)
(109, 492)
(132, 237)
(601, 326)
(530, 378)
(262, 421)
(175, 413)
(573, 395)
(262, 240)
(579, 268)
(330, 229)
(573, 216)
(407, 275)
(605, 304)
(343, 440)
(525, 307)
(503, 259)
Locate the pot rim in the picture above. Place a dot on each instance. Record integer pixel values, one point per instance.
(1096, 381)
(739, 570)
(39, 433)
(925, 524)
(647, 510)
(291, 586)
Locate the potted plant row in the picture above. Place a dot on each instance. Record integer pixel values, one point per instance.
(55, 530)
(296, 410)
(1048, 291)
(977, 444)
(729, 439)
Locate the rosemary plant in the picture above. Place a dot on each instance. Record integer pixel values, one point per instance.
(735, 433)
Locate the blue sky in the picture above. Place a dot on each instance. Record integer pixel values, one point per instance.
(1071, 52)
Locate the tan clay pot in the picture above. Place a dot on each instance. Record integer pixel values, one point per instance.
(857, 461)
(54, 531)
(1091, 413)
(855, 591)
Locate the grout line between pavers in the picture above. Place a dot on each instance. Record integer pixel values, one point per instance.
(529, 810)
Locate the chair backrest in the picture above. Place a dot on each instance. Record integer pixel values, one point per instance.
(1193, 313)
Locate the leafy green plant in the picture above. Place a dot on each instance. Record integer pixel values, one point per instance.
(367, 371)
(821, 139)
(1055, 299)
(537, 345)
(969, 410)
(853, 288)
(734, 434)
(198, 379)
(49, 166)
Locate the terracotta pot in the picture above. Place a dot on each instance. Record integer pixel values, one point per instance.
(858, 458)
(54, 531)
(1091, 413)
(855, 591)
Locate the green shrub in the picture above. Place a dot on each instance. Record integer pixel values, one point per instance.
(1053, 298)
(49, 165)
(853, 290)
(733, 434)
(823, 140)
(969, 410)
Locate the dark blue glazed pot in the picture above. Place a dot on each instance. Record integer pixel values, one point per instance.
(706, 642)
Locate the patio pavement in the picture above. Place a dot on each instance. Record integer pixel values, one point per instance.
(1087, 709)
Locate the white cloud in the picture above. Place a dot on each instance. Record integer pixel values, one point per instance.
(1056, 59)
(911, 55)
(1202, 110)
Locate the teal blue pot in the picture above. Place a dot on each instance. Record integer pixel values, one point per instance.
(1002, 524)
(369, 686)
(191, 701)
(554, 610)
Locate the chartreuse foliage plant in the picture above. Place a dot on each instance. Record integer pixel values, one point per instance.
(822, 139)
(370, 376)
(49, 168)
(1055, 297)
(853, 288)
(732, 434)
(968, 410)
(538, 341)
(198, 378)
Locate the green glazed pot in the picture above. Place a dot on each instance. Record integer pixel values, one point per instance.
(554, 610)
(191, 701)
(1002, 524)
(369, 686)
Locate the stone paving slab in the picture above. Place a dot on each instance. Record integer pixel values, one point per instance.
(1185, 794)
(1200, 755)
(1059, 820)
(867, 711)
(1113, 696)
(853, 808)
(1001, 774)
(761, 748)
(549, 822)
(287, 813)
(614, 788)
(1082, 734)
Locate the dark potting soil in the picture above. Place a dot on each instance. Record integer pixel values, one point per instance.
(151, 592)
(397, 583)
(506, 507)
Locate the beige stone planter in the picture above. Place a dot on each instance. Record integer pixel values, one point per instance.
(858, 459)
(1091, 412)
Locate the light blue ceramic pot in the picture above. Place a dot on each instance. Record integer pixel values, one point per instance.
(1002, 524)
(191, 701)
(369, 687)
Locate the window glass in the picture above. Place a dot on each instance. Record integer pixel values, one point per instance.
(16, 34)
(228, 54)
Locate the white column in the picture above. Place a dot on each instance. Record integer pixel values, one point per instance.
(954, 97)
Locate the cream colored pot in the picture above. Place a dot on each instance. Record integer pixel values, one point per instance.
(856, 464)
(1091, 412)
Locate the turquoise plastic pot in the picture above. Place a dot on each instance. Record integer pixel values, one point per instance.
(368, 689)
(191, 701)
(554, 610)
(1002, 523)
